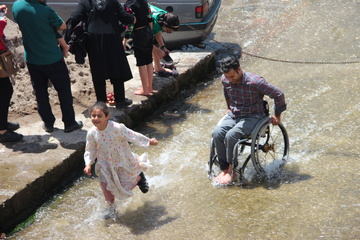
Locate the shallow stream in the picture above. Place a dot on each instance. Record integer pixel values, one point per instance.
(318, 194)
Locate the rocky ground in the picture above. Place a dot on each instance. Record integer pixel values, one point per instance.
(23, 102)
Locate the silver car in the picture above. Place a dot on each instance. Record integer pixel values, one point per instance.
(197, 17)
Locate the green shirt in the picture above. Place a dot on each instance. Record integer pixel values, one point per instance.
(37, 23)
(156, 13)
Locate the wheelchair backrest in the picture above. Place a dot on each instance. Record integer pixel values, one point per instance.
(266, 108)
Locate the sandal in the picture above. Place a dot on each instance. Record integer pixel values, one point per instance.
(110, 99)
(143, 184)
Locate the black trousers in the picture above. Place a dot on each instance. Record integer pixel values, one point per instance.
(100, 89)
(58, 74)
(6, 91)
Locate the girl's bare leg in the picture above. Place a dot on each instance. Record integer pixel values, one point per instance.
(109, 197)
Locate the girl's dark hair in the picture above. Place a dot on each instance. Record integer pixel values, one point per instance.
(170, 20)
(229, 63)
(100, 105)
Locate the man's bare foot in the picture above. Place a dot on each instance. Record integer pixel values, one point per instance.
(141, 91)
(220, 176)
(226, 179)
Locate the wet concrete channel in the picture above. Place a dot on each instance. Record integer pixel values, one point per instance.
(317, 197)
(33, 170)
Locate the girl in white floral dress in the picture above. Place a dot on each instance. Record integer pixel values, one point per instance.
(119, 170)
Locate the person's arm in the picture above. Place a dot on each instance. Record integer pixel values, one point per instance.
(226, 96)
(153, 142)
(62, 27)
(87, 170)
(2, 26)
(275, 120)
(227, 103)
(3, 21)
(134, 137)
(158, 51)
(129, 27)
(90, 153)
(280, 106)
(80, 14)
(160, 39)
(64, 47)
(278, 96)
(125, 17)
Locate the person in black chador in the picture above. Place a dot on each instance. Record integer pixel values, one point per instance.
(105, 50)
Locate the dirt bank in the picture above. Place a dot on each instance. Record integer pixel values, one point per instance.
(23, 102)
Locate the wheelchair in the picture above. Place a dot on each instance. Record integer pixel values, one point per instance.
(267, 147)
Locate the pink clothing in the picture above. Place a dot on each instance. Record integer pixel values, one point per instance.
(116, 165)
(2, 27)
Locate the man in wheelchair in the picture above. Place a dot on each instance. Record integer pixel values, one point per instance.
(244, 93)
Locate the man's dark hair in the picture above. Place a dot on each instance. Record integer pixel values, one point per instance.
(229, 63)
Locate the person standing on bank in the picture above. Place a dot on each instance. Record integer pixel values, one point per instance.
(7, 129)
(244, 93)
(142, 42)
(162, 21)
(45, 61)
(106, 53)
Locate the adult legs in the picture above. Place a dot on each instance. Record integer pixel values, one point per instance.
(243, 128)
(7, 133)
(219, 133)
(225, 135)
(39, 81)
(59, 76)
(119, 90)
(6, 91)
(100, 89)
(146, 76)
(150, 76)
(143, 45)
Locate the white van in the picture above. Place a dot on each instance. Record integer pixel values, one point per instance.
(197, 17)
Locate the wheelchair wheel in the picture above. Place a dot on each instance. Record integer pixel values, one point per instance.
(269, 148)
(213, 164)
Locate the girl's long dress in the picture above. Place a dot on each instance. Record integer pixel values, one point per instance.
(116, 165)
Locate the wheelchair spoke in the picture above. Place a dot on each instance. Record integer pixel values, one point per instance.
(270, 148)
